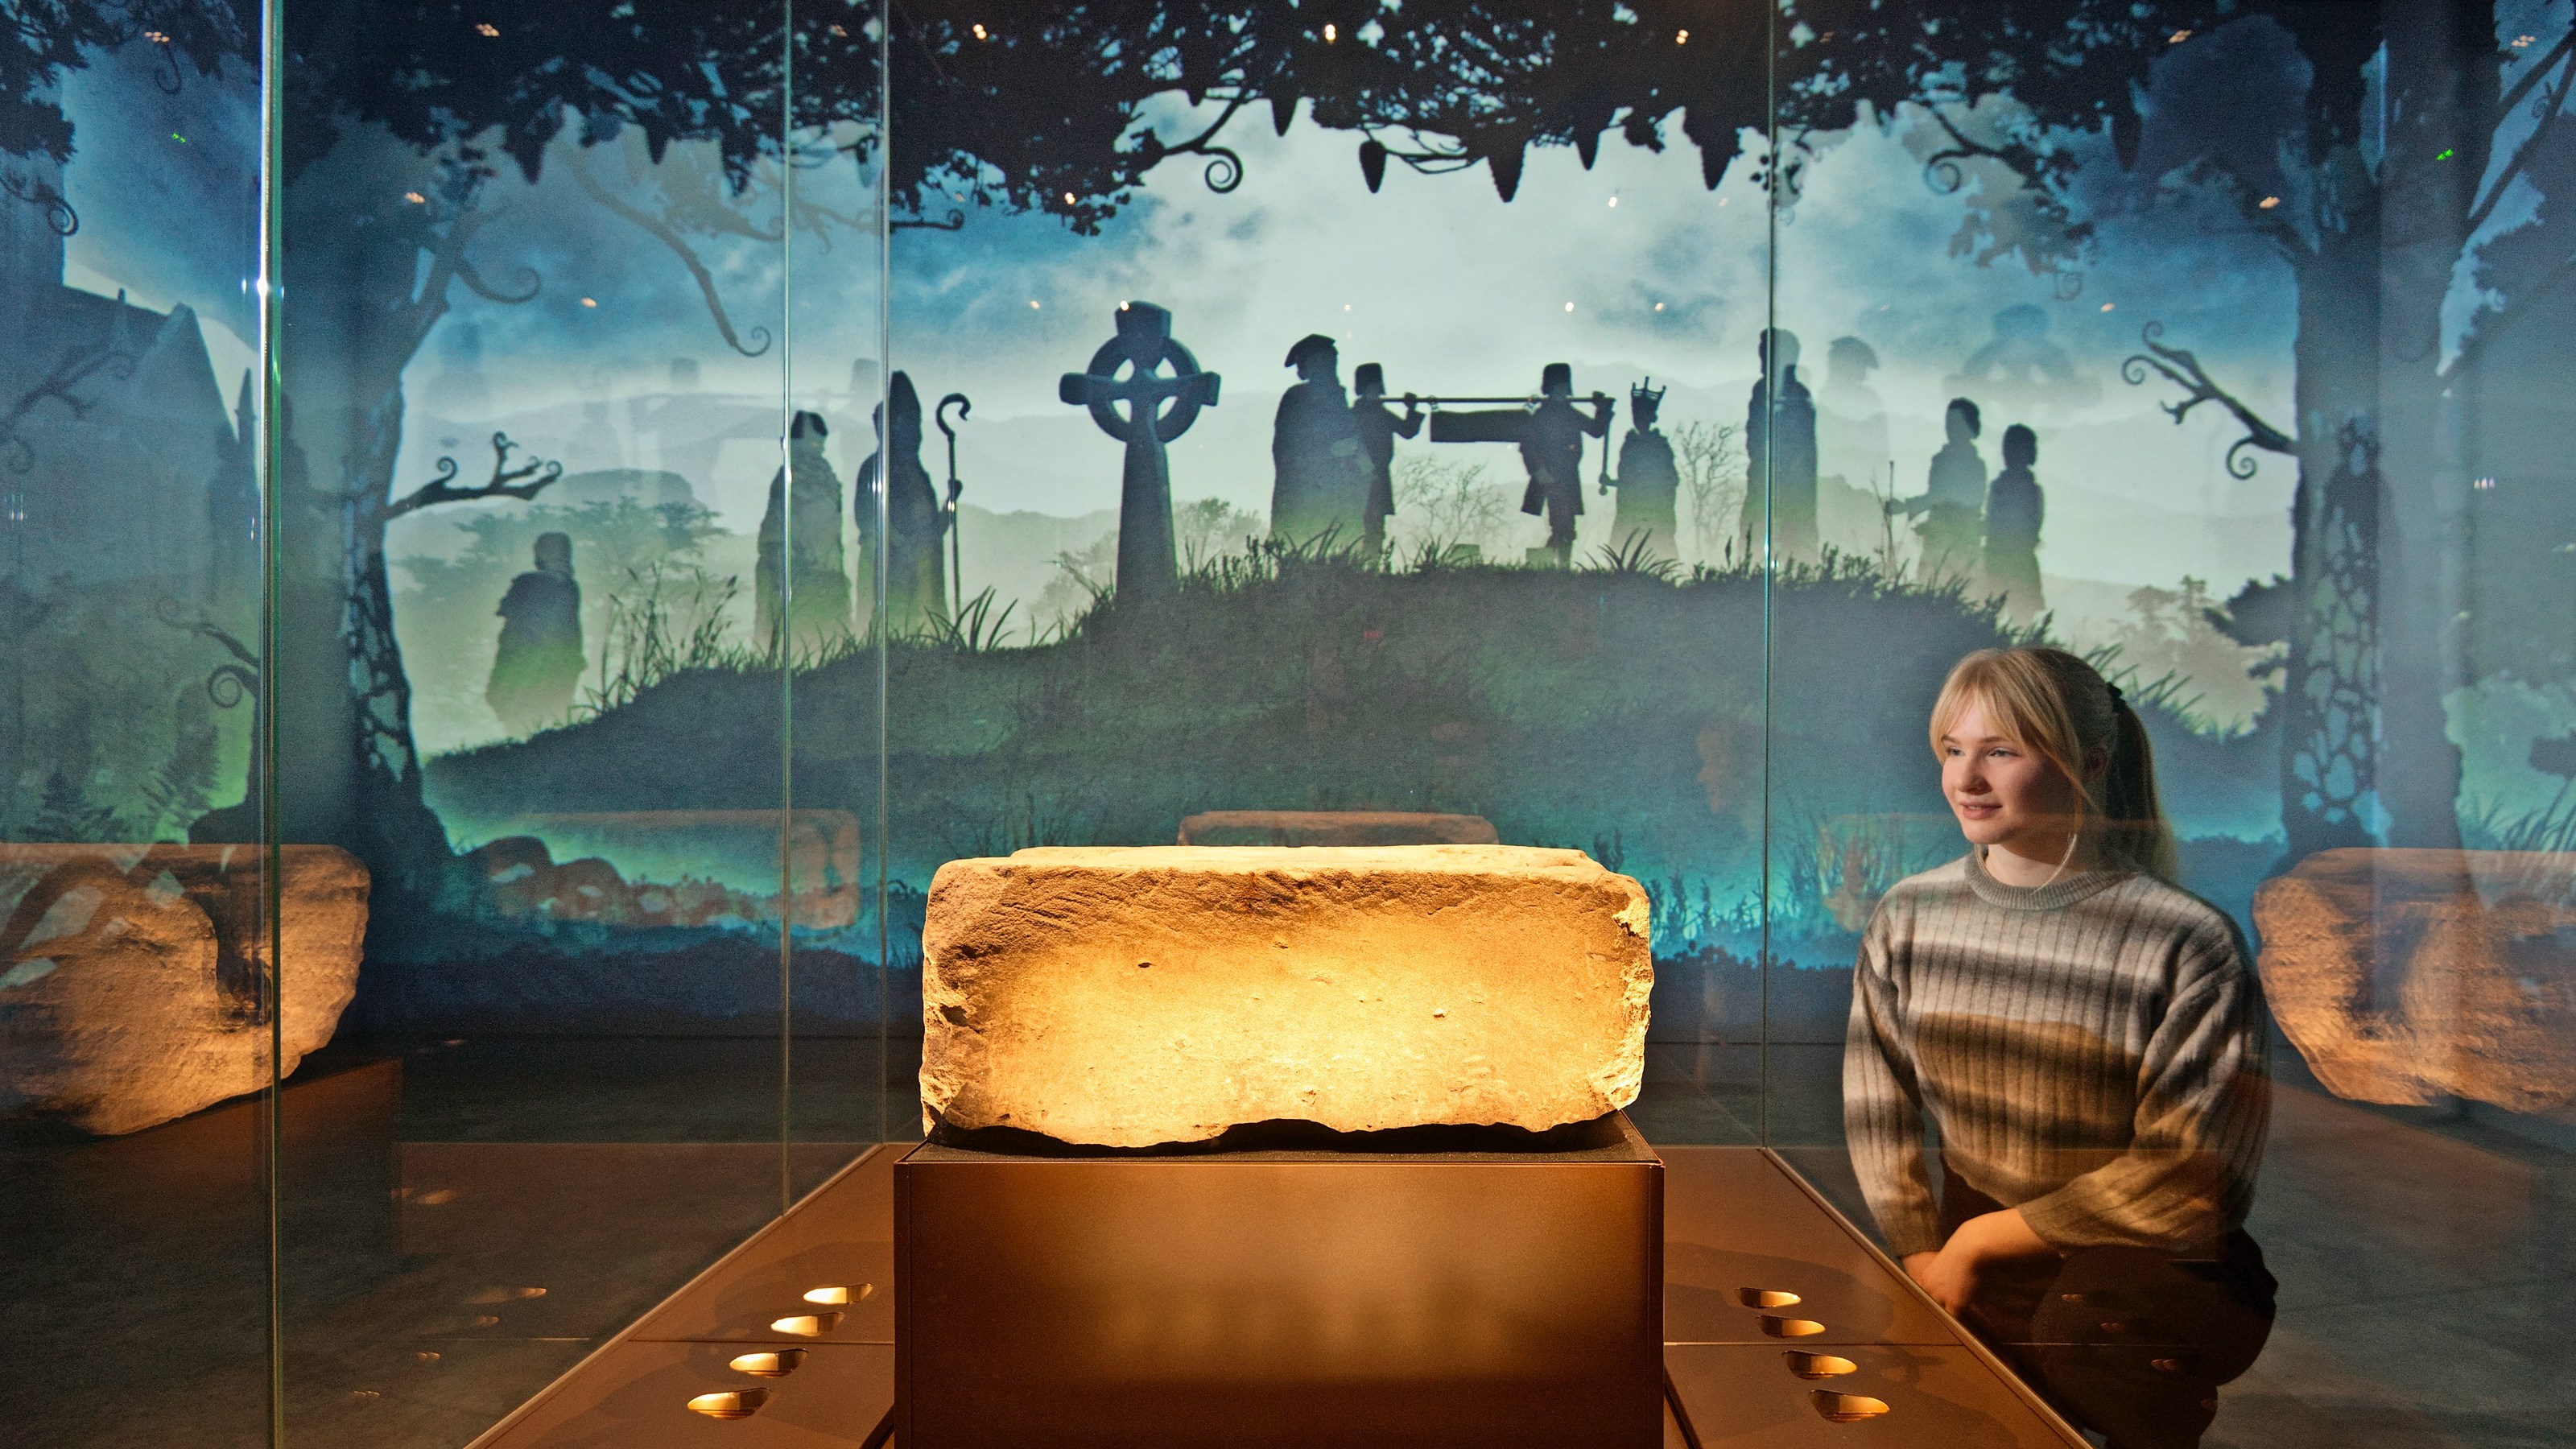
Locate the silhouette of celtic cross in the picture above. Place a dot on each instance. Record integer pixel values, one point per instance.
(1142, 349)
(1159, 405)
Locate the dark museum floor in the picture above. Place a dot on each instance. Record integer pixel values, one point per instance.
(540, 1195)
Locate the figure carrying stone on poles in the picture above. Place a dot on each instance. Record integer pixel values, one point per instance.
(1378, 430)
(1553, 452)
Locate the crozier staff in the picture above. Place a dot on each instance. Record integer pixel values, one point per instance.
(2087, 1041)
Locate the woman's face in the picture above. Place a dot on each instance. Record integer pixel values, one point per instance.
(2003, 794)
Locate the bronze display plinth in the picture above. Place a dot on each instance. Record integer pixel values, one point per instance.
(1429, 1287)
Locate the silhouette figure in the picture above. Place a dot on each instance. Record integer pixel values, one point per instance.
(1128, 369)
(916, 587)
(2015, 508)
(1321, 487)
(1780, 457)
(1953, 502)
(1649, 484)
(2021, 367)
(540, 656)
(1851, 427)
(1553, 452)
(818, 596)
(1378, 430)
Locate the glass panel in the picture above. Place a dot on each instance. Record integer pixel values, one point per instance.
(536, 348)
(839, 1001)
(137, 1002)
(2259, 318)
(1222, 636)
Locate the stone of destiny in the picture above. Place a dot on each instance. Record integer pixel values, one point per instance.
(1130, 997)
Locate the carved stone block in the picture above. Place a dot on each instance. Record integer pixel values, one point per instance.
(132, 977)
(1133, 996)
(2405, 975)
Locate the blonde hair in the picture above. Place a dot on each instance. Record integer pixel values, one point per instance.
(2062, 710)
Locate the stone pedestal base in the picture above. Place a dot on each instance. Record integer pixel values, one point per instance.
(1420, 1289)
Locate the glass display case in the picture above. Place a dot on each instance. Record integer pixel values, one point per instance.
(533, 537)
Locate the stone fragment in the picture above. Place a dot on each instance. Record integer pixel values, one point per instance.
(131, 976)
(1335, 827)
(1134, 996)
(2409, 975)
(655, 868)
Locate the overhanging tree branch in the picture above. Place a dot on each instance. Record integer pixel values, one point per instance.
(2183, 370)
(668, 236)
(523, 482)
(2549, 110)
(76, 367)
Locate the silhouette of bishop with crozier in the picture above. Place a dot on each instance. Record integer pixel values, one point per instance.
(916, 587)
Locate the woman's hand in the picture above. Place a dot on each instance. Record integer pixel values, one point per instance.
(1951, 1274)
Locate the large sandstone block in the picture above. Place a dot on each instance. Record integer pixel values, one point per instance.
(2408, 975)
(131, 976)
(1128, 997)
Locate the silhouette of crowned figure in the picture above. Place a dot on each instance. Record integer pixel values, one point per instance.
(1321, 487)
(1378, 429)
(916, 587)
(1780, 457)
(818, 592)
(1553, 453)
(2015, 508)
(1648, 483)
(1952, 503)
(540, 657)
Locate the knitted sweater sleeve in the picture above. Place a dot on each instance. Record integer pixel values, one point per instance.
(2204, 1104)
(1883, 1104)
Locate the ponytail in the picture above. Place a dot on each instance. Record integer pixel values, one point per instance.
(2134, 819)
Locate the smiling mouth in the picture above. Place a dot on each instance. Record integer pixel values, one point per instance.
(1977, 810)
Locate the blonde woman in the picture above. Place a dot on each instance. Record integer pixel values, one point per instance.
(2086, 1041)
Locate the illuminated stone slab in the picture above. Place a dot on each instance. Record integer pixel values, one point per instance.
(2407, 976)
(134, 979)
(1128, 997)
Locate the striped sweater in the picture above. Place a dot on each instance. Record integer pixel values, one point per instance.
(2090, 1051)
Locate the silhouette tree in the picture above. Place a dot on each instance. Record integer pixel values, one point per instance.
(401, 113)
(45, 38)
(2270, 105)
(1065, 109)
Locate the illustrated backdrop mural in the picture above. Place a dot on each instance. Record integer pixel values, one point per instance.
(702, 504)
